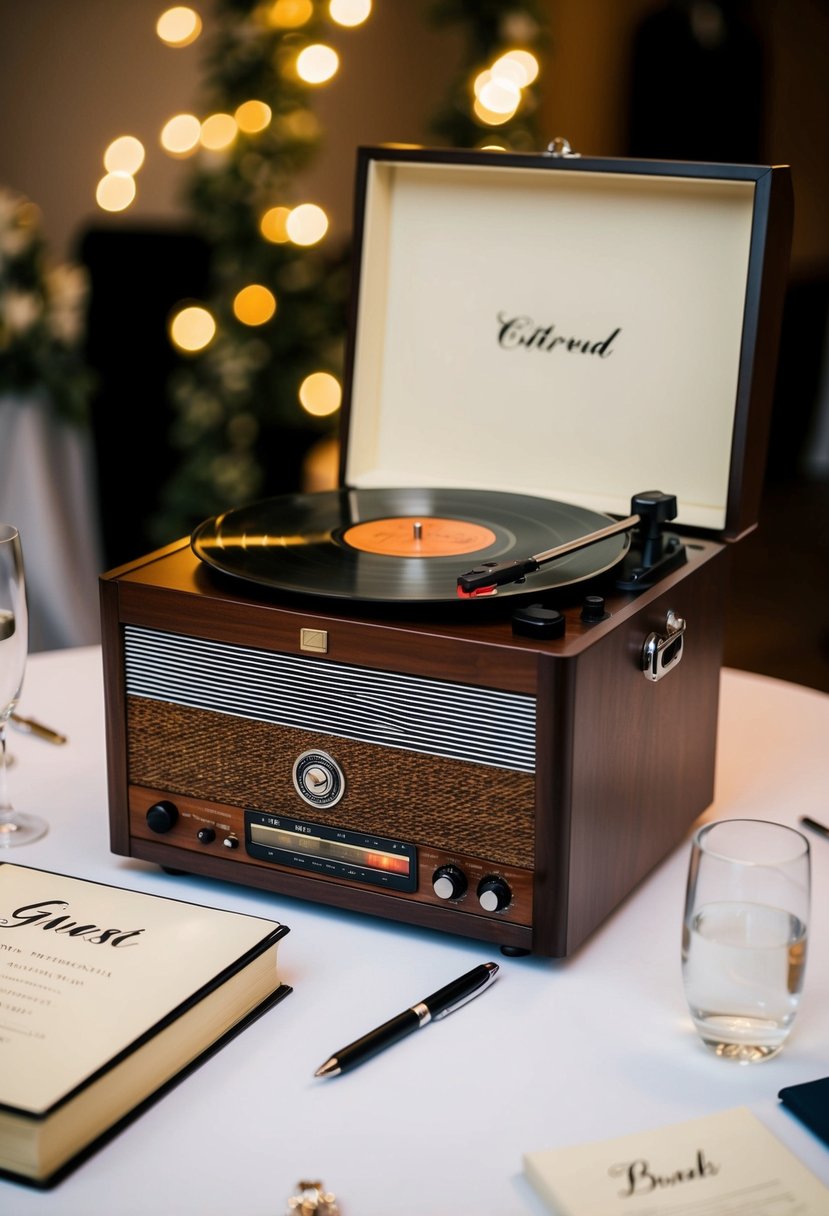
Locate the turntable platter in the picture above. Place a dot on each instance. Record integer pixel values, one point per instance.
(399, 545)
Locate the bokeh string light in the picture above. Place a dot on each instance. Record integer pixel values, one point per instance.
(306, 224)
(499, 89)
(289, 14)
(192, 328)
(317, 64)
(116, 190)
(349, 12)
(253, 116)
(254, 304)
(263, 351)
(321, 394)
(180, 135)
(218, 131)
(124, 155)
(494, 103)
(179, 26)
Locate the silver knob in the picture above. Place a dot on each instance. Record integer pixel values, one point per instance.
(449, 882)
(494, 894)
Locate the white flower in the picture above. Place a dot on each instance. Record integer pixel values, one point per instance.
(14, 241)
(20, 310)
(66, 288)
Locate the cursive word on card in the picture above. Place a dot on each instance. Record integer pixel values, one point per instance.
(522, 332)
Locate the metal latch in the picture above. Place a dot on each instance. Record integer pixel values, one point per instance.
(662, 652)
(560, 148)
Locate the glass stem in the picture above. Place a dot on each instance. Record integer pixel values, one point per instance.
(6, 807)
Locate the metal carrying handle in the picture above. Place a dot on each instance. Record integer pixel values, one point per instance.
(662, 652)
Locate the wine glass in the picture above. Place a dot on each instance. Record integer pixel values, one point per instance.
(16, 827)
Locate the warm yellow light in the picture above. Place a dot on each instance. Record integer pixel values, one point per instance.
(254, 305)
(480, 80)
(519, 66)
(289, 14)
(317, 63)
(115, 192)
(349, 12)
(273, 225)
(218, 132)
(306, 224)
(180, 136)
(192, 328)
(124, 155)
(500, 96)
(178, 26)
(320, 394)
(490, 117)
(252, 116)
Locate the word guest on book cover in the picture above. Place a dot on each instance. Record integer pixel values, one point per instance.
(106, 995)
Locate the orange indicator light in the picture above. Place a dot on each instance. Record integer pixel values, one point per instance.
(387, 861)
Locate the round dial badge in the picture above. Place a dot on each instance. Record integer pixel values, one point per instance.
(318, 779)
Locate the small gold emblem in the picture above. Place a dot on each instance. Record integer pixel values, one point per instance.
(314, 639)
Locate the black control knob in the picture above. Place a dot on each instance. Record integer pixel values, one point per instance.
(593, 609)
(231, 842)
(494, 894)
(162, 817)
(206, 835)
(449, 882)
(536, 621)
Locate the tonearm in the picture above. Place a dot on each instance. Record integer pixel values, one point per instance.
(649, 510)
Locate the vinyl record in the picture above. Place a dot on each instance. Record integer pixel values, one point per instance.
(399, 545)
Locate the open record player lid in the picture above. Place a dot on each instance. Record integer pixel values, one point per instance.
(568, 328)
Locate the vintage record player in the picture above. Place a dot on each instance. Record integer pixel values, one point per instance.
(413, 696)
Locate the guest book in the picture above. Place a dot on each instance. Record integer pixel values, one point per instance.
(108, 996)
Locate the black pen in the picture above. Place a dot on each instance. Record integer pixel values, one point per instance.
(438, 1005)
(815, 826)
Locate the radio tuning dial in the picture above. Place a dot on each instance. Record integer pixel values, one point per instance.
(449, 882)
(161, 817)
(494, 894)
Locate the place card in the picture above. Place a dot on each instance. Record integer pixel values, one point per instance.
(725, 1164)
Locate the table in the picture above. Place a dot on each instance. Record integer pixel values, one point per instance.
(557, 1052)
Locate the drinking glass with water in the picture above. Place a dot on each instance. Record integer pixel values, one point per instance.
(744, 935)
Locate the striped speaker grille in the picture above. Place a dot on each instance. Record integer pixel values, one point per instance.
(435, 717)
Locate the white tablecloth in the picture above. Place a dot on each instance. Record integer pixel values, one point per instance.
(555, 1053)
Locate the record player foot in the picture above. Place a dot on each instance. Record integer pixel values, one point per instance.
(514, 951)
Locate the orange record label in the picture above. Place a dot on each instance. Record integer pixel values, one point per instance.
(419, 536)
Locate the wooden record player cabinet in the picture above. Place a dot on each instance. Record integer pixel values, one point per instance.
(622, 764)
(438, 768)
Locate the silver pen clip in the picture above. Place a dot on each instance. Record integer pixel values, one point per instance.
(470, 996)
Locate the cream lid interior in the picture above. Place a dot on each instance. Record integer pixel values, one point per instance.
(574, 335)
